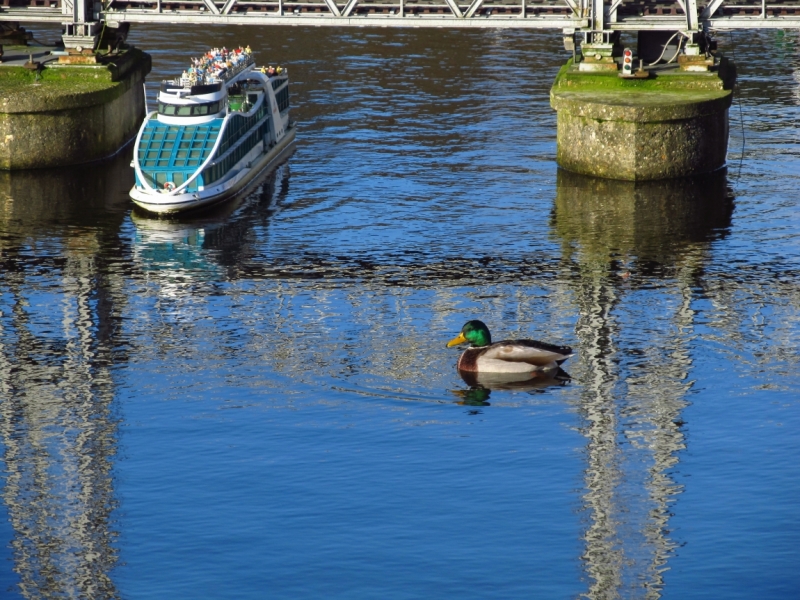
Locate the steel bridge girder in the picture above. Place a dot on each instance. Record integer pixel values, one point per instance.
(581, 15)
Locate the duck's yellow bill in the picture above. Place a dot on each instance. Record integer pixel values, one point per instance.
(457, 340)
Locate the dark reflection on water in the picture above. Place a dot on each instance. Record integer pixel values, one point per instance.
(646, 226)
(71, 196)
(258, 394)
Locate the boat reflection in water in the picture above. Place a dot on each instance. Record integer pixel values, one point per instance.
(209, 245)
(648, 241)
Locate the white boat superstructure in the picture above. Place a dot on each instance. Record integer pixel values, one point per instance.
(216, 128)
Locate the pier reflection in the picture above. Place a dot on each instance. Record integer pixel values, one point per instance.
(617, 236)
(61, 343)
(58, 345)
(79, 195)
(651, 223)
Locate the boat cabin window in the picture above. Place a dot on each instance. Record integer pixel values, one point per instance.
(188, 110)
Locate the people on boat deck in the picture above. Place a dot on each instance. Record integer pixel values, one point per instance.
(216, 64)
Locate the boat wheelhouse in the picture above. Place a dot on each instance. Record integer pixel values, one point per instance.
(217, 127)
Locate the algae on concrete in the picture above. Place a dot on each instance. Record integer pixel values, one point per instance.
(660, 79)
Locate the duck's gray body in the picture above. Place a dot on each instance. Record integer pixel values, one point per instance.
(513, 356)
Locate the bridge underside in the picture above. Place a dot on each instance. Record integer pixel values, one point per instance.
(582, 15)
(667, 31)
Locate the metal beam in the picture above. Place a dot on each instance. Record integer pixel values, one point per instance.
(598, 15)
(574, 8)
(692, 22)
(476, 4)
(711, 9)
(211, 6)
(209, 13)
(454, 7)
(615, 6)
(68, 9)
(318, 20)
(333, 8)
(351, 4)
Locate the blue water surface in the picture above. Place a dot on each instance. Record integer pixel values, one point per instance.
(257, 402)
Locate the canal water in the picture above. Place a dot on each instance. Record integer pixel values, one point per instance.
(258, 403)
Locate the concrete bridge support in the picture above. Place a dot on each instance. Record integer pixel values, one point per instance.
(56, 114)
(669, 122)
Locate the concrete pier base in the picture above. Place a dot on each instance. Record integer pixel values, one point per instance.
(54, 115)
(672, 123)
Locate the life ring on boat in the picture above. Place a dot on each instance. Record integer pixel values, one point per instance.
(169, 186)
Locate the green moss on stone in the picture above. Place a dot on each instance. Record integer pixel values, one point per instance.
(72, 114)
(62, 87)
(666, 96)
(569, 78)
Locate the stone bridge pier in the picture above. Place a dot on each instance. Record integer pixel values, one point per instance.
(646, 121)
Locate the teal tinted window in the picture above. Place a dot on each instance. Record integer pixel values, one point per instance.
(165, 148)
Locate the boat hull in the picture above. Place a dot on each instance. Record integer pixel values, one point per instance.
(170, 204)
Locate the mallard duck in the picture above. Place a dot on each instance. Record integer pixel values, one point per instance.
(509, 356)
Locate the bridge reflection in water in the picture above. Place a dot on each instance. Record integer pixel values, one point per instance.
(632, 403)
(59, 347)
(58, 421)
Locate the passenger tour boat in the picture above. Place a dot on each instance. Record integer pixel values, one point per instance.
(217, 127)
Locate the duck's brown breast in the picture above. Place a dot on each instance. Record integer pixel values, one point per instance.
(468, 361)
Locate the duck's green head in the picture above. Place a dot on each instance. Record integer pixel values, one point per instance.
(474, 332)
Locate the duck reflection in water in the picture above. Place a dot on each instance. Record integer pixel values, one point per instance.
(481, 385)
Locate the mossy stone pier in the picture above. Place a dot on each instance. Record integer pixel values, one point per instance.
(54, 115)
(672, 123)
